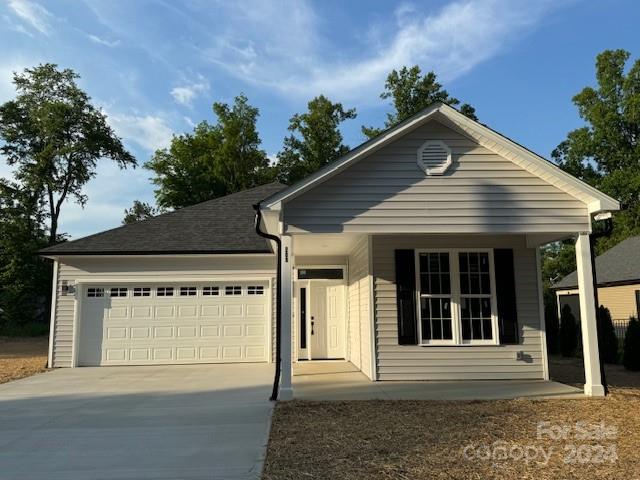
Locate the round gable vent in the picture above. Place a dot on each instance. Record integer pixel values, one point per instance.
(434, 157)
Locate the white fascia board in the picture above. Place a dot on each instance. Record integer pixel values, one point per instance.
(598, 201)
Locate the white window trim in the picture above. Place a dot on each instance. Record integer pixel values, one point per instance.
(456, 298)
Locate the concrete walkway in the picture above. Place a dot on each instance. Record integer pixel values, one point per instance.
(335, 380)
(169, 422)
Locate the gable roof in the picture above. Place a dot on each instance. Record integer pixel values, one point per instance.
(620, 264)
(488, 138)
(221, 225)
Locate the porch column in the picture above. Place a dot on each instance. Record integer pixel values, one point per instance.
(286, 388)
(592, 379)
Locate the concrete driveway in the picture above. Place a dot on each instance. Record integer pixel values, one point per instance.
(158, 422)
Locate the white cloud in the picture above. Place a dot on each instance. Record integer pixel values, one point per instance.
(187, 93)
(33, 13)
(102, 41)
(294, 58)
(150, 132)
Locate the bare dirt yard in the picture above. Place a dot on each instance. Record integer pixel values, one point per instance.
(415, 440)
(22, 357)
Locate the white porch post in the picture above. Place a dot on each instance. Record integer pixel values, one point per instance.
(286, 387)
(593, 381)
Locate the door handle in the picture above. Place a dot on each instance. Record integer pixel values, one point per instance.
(312, 323)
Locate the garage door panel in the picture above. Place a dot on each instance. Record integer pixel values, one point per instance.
(164, 329)
(164, 311)
(141, 311)
(212, 311)
(187, 332)
(209, 331)
(163, 332)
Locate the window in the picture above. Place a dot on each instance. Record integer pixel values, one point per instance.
(164, 292)
(210, 291)
(435, 297)
(118, 292)
(233, 290)
(303, 318)
(320, 274)
(95, 292)
(255, 290)
(142, 292)
(457, 297)
(188, 291)
(475, 296)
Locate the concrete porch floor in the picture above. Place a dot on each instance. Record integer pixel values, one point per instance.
(340, 380)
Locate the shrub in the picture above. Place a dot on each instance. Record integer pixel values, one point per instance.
(552, 329)
(631, 356)
(608, 343)
(568, 332)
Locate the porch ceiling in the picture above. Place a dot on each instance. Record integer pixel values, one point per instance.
(325, 244)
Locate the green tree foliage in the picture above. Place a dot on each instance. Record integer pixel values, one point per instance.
(410, 92)
(568, 332)
(139, 211)
(558, 261)
(608, 342)
(315, 139)
(214, 160)
(24, 277)
(606, 151)
(631, 357)
(54, 136)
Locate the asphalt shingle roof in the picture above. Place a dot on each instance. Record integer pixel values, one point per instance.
(222, 225)
(618, 264)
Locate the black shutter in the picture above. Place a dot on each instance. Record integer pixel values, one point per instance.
(506, 295)
(406, 297)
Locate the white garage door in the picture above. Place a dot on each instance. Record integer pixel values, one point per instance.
(144, 324)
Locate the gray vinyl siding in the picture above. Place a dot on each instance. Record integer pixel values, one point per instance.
(412, 362)
(152, 269)
(359, 318)
(482, 192)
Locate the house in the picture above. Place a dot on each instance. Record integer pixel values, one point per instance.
(618, 279)
(415, 257)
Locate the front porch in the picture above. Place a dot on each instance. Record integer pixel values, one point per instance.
(341, 380)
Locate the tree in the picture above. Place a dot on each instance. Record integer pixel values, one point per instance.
(213, 160)
(631, 356)
(139, 211)
(24, 276)
(54, 137)
(315, 139)
(606, 151)
(568, 332)
(608, 341)
(411, 92)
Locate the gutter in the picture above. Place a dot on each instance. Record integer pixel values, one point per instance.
(268, 236)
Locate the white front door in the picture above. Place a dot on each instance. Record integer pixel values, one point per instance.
(326, 316)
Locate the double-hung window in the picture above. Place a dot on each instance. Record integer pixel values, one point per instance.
(456, 290)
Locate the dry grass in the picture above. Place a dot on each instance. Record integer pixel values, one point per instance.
(426, 439)
(22, 357)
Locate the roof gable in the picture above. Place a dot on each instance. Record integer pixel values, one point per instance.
(221, 225)
(595, 200)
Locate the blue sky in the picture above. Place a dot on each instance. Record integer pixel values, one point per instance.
(155, 67)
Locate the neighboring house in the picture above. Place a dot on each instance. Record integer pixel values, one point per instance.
(415, 257)
(618, 277)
